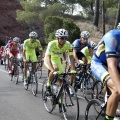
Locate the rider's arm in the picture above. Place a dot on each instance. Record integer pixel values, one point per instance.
(75, 56)
(40, 50)
(73, 62)
(91, 51)
(65, 56)
(24, 50)
(23, 54)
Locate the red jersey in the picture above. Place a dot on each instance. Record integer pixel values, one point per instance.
(13, 46)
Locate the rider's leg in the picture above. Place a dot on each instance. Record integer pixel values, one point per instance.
(113, 100)
(11, 62)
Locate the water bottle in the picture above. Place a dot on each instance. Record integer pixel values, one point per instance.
(116, 118)
(55, 89)
(28, 73)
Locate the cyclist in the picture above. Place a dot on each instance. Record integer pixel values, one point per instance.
(79, 44)
(55, 50)
(2, 55)
(13, 50)
(29, 53)
(7, 51)
(104, 66)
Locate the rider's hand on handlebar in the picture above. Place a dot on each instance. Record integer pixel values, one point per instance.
(56, 72)
(73, 71)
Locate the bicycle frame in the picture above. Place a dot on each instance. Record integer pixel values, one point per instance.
(63, 86)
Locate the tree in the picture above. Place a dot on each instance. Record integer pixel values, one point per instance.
(96, 14)
(117, 16)
(52, 23)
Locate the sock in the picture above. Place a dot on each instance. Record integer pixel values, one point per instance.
(109, 117)
(48, 83)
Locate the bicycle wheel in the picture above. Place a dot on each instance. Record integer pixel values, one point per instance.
(70, 104)
(11, 75)
(48, 100)
(88, 86)
(98, 92)
(39, 68)
(95, 110)
(16, 74)
(34, 84)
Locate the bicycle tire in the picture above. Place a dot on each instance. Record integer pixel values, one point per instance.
(40, 70)
(16, 74)
(34, 84)
(98, 92)
(48, 100)
(11, 76)
(70, 104)
(95, 110)
(88, 87)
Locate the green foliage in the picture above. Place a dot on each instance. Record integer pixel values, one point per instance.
(30, 12)
(73, 30)
(28, 17)
(53, 10)
(53, 23)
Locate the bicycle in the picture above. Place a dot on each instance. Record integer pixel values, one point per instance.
(68, 104)
(6, 64)
(32, 78)
(84, 81)
(15, 70)
(96, 108)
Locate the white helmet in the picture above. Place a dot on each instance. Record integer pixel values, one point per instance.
(85, 34)
(33, 34)
(118, 26)
(61, 32)
(16, 39)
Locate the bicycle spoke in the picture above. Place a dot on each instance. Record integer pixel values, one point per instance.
(34, 84)
(70, 106)
(48, 100)
(94, 110)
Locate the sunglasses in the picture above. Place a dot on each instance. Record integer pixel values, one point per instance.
(63, 38)
(33, 37)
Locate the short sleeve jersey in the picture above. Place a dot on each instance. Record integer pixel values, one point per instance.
(55, 51)
(30, 47)
(109, 46)
(13, 47)
(77, 45)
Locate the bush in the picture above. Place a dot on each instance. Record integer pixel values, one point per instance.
(52, 23)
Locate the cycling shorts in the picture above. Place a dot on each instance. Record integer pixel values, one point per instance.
(100, 70)
(31, 57)
(57, 62)
(80, 55)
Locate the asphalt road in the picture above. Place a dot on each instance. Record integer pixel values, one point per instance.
(18, 104)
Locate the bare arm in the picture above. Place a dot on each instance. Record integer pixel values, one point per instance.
(91, 51)
(73, 62)
(75, 56)
(65, 56)
(41, 55)
(24, 56)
